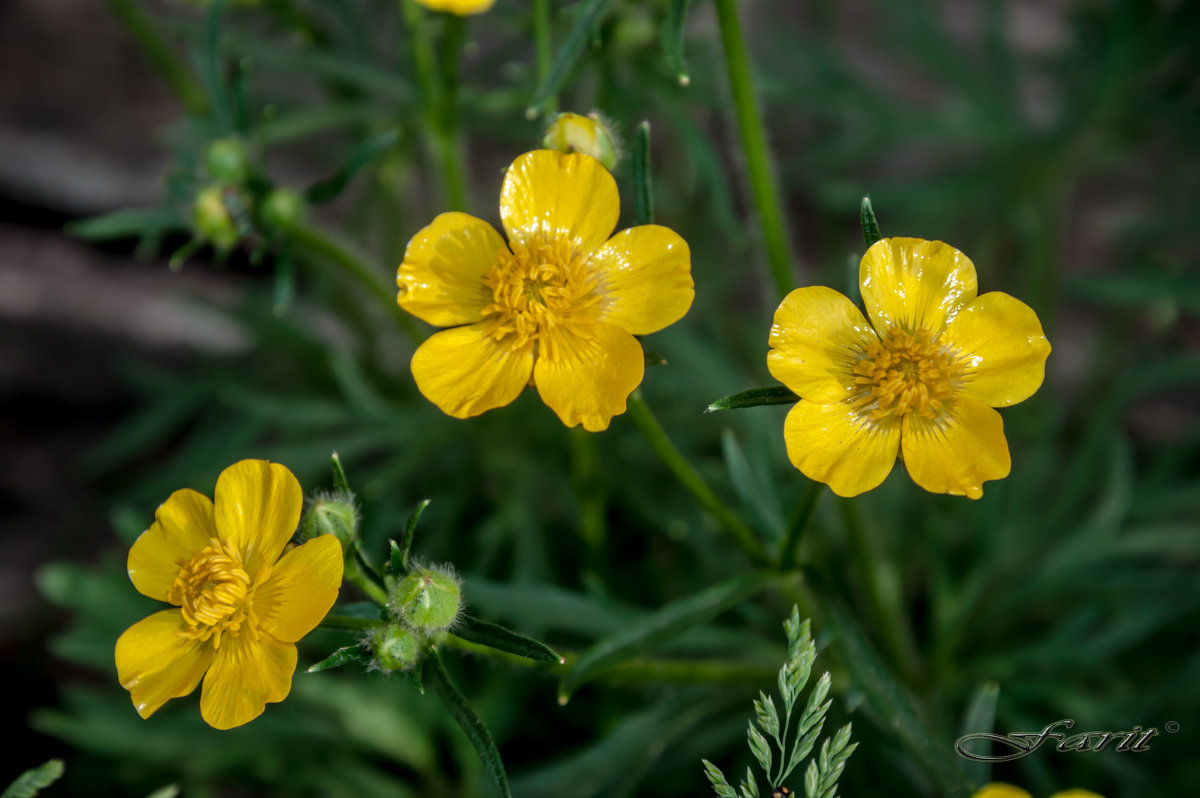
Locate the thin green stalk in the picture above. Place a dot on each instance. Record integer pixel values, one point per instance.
(804, 513)
(654, 434)
(313, 243)
(763, 184)
(886, 615)
(588, 488)
(160, 54)
(347, 623)
(437, 80)
(355, 575)
(542, 28)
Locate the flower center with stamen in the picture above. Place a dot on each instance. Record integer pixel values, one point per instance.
(214, 594)
(537, 285)
(905, 372)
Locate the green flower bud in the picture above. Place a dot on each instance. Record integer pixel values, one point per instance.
(330, 514)
(213, 220)
(226, 161)
(587, 134)
(282, 208)
(428, 599)
(395, 648)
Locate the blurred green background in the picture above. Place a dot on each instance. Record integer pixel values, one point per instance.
(1053, 142)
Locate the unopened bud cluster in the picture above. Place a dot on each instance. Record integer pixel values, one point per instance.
(423, 606)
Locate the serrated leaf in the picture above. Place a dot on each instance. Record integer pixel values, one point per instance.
(810, 780)
(717, 779)
(803, 745)
(768, 716)
(501, 639)
(754, 398)
(749, 785)
(343, 655)
(817, 696)
(759, 747)
(435, 674)
(31, 782)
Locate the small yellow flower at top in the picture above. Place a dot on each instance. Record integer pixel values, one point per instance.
(460, 7)
(239, 606)
(1000, 790)
(587, 134)
(558, 305)
(920, 379)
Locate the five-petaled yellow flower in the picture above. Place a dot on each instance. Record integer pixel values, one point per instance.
(558, 305)
(460, 7)
(1001, 790)
(240, 607)
(920, 379)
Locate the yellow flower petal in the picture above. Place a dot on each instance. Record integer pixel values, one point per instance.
(244, 677)
(460, 7)
(441, 278)
(915, 284)
(586, 374)
(645, 276)
(1076, 794)
(465, 371)
(257, 508)
(830, 443)
(182, 526)
(817, 337)
(957, 453)
(155, 664)
(998, 790)
(1005, 348)
(301, 588)
(552, 196)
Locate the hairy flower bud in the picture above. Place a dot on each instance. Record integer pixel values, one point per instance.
(586, 134)
(213, 220)
(428, 599)
(226, 161)
(395, 648)
(330, 514)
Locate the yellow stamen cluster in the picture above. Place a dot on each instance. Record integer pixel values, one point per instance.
(214, 594)
(537, 286)
(905, 372)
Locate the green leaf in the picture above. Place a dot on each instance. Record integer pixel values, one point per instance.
(870, 226)
(749, 488)
(128, 223)
(370, 149)
(434, 674)
(31, 782)
(643, 190)
(343, 655)
(672, 40)
(980, 718)
(768, 716)
(497, 637)
(753, 398)
(400, 553)
(564, 60)
(651, 631)
(339, 475)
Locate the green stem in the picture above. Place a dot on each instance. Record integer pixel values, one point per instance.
(438, 85)
(347, 623)
(654, 434)
(155, 48)
(886, 615)
(804, 513)
(312, 242)
(763, 185)
(355, 575)
(542, 29)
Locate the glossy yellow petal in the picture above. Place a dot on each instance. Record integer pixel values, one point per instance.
(998, 790)
(182, 526)
(817, 337)
(552, 196)
(460, 7)
(465, 371)
(155, 664)
(1076, 794)
(1004, 348)
(915, 284)
(958, 453)
(302, 587)
(830, 443)
(645, 276)
(585, 374)
(244, 677)
(441, 278)
(258, 507)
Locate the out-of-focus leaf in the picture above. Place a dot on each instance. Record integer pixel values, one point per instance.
(590, 15)
(368, 150)
(128, 223)
(672, 40)
(31, 782)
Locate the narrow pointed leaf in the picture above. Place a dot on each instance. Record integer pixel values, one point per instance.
(343, 655)
(980, 718)
(370, 149)
(753, 398)
(406, 541)
(434, 674)
(870, 226)
(672, 40)
(128, 223)
(497, 637)
(643, 191)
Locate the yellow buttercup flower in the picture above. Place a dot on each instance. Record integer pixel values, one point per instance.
(920, 379)
(1000, 790)
(461, 7)
(239, 606)
(558, 305)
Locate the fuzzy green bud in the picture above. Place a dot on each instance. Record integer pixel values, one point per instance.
(213, 220)
(330, 514)
(395, 648)
(226, 161)
(586, 134)
(428, 599)
(282, 208)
